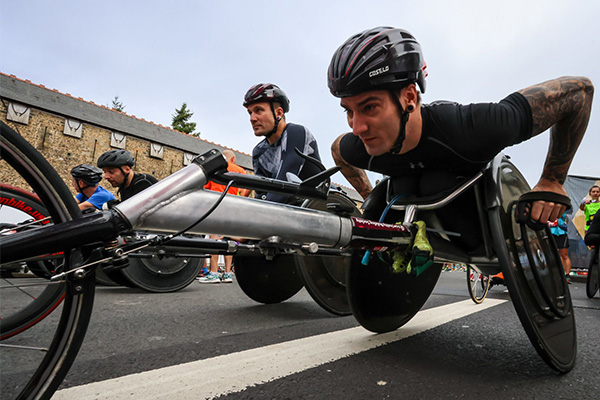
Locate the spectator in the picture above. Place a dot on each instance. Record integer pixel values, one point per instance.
(592, 236)
(85, 179)
(117, 165)
(275, 156)
(559, 230)
(213, 276)
(590, 205)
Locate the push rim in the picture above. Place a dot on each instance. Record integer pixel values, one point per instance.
(553, 338)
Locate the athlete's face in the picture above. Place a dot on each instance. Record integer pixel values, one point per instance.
(114, 176)
(373, 117)
(75, 184)
(261, 118)
(595, 193)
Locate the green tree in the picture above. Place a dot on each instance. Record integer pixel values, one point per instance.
(181, 121)
(117, 105)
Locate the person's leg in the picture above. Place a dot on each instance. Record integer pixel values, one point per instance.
(564, 255)
(228, 262)
(213, 276)
(228, 276)
(214, 263)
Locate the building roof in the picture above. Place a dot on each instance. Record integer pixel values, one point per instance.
(40, 97)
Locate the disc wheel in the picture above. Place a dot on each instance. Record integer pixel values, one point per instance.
(26, 373)
(162, 274)
(383, 301)
(534, 276)
(324, 277)
(268, 281)
(478, 285)
(593, 277)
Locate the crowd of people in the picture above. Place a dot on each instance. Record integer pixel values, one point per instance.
(379, 75)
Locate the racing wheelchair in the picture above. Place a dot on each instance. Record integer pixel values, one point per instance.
(391, 265)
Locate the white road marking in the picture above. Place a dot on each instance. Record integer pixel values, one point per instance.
(261, 365)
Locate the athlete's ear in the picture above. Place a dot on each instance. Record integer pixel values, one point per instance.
(409, 96)
(279, 112)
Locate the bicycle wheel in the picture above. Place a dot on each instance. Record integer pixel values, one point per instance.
(28, 374)
(541, 298)
(478, 285)
(593, 277)
(324, 277)
(20, 209)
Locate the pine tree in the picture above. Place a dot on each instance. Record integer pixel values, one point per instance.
(117, 105)
(181, 120)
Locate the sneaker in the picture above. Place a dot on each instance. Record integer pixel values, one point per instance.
(227, 277)
(203, 272)
(212, 277)
(569, 280)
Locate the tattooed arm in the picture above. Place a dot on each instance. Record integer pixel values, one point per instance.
(563, 105)
(356, 176)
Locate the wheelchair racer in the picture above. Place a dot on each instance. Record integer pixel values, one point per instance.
(379, 74)
(275, 155)
(117, 166)
(86, 180)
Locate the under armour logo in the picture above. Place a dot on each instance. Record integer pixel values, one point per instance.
(414, 166)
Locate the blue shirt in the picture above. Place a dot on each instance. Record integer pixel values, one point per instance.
(559, 227)
(97, 199)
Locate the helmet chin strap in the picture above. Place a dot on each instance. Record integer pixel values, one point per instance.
(125, 178)
(277, 119)
(403, 120)
(80, 189)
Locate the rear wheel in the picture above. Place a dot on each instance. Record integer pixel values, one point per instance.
(265, 280)
(593, 276)
(26, 371)
(534, 276)
(478, 285)
(324, 277)
(162, 274)
(33, 296)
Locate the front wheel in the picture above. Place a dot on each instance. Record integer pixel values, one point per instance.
(478, 285)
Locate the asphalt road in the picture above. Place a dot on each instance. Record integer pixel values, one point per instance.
(212, 341)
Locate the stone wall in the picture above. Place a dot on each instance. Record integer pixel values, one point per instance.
(45, 132)
(42, 117)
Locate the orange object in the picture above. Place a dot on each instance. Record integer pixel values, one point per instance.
(220, 188)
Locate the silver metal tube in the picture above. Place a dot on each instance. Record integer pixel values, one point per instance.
(444, 201)
(163, 193)
(240, 217)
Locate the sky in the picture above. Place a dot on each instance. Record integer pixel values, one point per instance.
(156, 55)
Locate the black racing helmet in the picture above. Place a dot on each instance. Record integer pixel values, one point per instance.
(115, 158)
(89, 174)
(378, 58)
(267, 92)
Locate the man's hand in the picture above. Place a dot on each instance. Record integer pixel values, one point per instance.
(545, 211)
